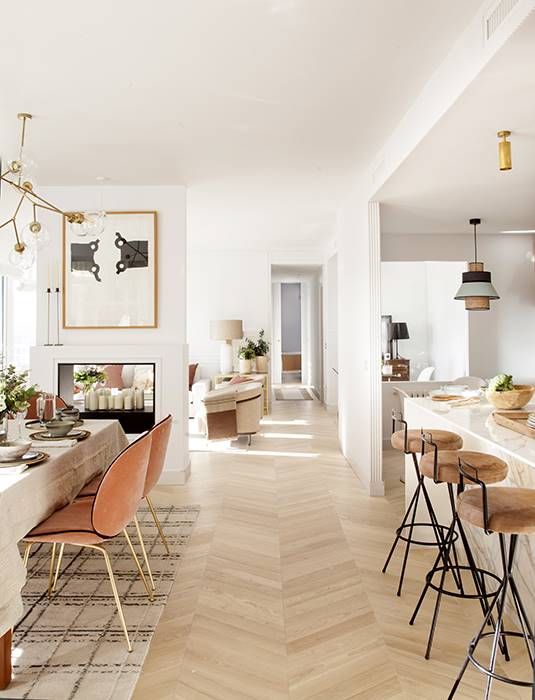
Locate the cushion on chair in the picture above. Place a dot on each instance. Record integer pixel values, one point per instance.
(490, 469)
(71, 524)
(445, 440)
(511, 510)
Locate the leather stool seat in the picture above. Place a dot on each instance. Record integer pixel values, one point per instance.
(511, 510)
(490, 469)
(444, 439)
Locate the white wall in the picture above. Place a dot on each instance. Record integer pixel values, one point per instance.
(170, 203)
(502, 339)
(421, 294)
(225, 284)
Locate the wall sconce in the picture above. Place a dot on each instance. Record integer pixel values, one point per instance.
(504, 151)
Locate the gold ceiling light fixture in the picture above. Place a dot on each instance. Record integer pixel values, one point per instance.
(476, 289)
(504, 150)
(20, 176)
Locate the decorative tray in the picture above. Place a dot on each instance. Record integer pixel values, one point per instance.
(514, 420)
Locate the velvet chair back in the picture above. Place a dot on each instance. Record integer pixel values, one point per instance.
(160, 439)
(121, 489)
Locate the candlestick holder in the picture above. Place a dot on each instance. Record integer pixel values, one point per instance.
(57, 317)
(48, 293)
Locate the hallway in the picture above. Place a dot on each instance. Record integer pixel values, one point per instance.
(280, 593)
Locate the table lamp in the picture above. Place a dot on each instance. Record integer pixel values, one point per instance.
(227, 331)
(398, 331)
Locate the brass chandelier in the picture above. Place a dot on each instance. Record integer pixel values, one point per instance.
(33, 235)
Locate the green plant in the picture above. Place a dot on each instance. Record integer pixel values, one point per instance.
(247, 351)
(89, 376)
(261, 346)
(501, 382)
(15, 390)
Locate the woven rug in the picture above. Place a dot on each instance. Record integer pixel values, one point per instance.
(73, 645)
(293, 393)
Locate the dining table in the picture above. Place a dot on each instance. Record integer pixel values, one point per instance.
(29, 497)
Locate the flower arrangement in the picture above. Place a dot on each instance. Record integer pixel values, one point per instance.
(15, 391)
(88, 377)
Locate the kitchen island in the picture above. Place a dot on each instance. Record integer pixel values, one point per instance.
(480, 432)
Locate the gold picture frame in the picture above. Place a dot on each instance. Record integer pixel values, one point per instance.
(77, 285)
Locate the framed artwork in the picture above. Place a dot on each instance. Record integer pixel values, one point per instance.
(111, 280)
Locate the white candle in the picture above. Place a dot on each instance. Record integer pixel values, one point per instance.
(128, 403)
(93, 401)
(111, 402)
(86, 401)
(140, 399)
(102, 402)
(118, 401)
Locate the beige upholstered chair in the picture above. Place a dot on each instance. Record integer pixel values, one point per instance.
(233, 410)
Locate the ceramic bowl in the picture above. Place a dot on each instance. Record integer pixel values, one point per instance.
(13, 449)
(70, 413)
(59, 428)
(511, 400)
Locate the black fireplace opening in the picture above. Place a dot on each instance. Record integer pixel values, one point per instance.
(126, 393)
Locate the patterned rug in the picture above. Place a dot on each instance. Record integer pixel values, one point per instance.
(73, 645)
(293, 393)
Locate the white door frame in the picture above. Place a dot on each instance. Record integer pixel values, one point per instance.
(276, 338)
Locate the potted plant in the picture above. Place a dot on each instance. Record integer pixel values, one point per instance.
(15, 394)
(261, 348)
(246, 355)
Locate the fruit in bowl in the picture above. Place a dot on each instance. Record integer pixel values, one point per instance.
(505, 395)
(13, 449)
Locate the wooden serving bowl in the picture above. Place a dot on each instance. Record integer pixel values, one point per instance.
(511, 400)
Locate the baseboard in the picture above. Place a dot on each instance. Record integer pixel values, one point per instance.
(175, 476)
(374, 488)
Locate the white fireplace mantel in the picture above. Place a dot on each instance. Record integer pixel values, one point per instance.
(171, 385)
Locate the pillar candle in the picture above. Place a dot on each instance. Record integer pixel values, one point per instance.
(128, 403)
(111, 402)
(140, 399)
(86, 401)
(118, 401)
(93, 401)
(102, 402)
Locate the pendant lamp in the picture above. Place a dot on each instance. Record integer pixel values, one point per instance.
(476, 289)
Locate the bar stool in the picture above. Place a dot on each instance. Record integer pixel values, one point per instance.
(410, 442)
(443, 468)
(508, 511)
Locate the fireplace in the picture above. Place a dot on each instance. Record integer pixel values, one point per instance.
(119, 381)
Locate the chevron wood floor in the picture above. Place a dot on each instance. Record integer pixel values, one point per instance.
(280, 593)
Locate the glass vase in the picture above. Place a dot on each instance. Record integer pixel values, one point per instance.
(20, 417)
(3, 428)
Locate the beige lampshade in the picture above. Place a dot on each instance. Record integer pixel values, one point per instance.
(226, 330)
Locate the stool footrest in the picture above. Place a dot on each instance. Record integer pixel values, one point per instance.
(423, 543)
(485, 670)
(459, 569)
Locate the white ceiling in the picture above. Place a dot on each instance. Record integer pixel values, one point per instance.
(453, 174)
(188, 92)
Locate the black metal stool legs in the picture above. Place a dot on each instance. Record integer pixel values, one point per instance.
(507, 584)
(409, 523)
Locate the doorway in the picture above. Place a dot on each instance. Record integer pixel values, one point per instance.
(297, 326)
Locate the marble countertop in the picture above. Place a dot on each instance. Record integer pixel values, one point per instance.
(477, 421)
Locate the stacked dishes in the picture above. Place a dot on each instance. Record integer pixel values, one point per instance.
(531, 420)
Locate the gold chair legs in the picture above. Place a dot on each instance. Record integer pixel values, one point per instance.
(58, 567)
(114, 589)
(144, 552)
(139, 568)
(158, 524)
(27, 549)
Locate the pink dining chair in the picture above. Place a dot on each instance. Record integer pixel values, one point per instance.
(90, 522)
(160, 434)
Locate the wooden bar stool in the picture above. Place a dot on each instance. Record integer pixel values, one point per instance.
(410, 442)
(443, 468)
(508, 511)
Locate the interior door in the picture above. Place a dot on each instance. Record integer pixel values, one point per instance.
(276, 340)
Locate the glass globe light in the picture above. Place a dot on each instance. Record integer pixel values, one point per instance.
(93, 223)
(35, 235)
(21, 257)
(24, 168)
